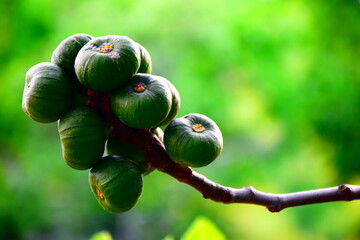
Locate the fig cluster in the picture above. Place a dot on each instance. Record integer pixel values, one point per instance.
(117, 72)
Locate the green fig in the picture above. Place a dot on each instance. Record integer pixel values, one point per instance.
(83, 134)
(144, 102)
(116, 183)
(115, 146)
(193, 140)
(48, 93)
(106, 63)
(65, 53)
(145, 61)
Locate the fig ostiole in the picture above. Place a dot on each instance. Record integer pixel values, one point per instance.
(143, 102)
(193, 140)
(48, 93)
(83, 134)
(106, 63)
(116, 182)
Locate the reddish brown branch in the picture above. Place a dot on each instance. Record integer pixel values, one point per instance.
(157, 157)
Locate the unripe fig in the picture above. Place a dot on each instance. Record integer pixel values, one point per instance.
(145, 61)
(48, 93)
(143, 102)
(175, 104)
(65, 53)
(115, 146)
(116, 183)
(193, 140)
(106, 63)
(83, 134)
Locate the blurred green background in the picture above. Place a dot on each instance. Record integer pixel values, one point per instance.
(280, 78)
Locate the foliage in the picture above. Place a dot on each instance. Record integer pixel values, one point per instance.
(200, 229)
(280, 78)
(203, 229)
(103, 235)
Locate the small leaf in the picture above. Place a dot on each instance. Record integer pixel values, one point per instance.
(103, 235)
(203, 229)
(168, 237)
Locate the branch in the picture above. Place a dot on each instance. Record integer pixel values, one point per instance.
(278, 202)
(157, 157)
(249, 195)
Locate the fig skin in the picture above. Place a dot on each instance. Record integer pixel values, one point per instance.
(175, 104)
(65, 53)
(48, 93)
(83, 134)
(115, 146)
(116, 183)
(159, 133)
(106, 63)
(145, 61)
(144, 102)
(193, 140)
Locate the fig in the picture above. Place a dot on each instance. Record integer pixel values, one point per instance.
(143, 102)
(83, 134)
(48, 93)
(145, 61)
(116, 183)
(105, 63)
(175, 104)
(159, 133)
(193, 140)
(115, 146)
(65, 53)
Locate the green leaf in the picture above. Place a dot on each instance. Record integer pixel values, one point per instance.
(169, 237)
(203, 229)
(103, 235)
